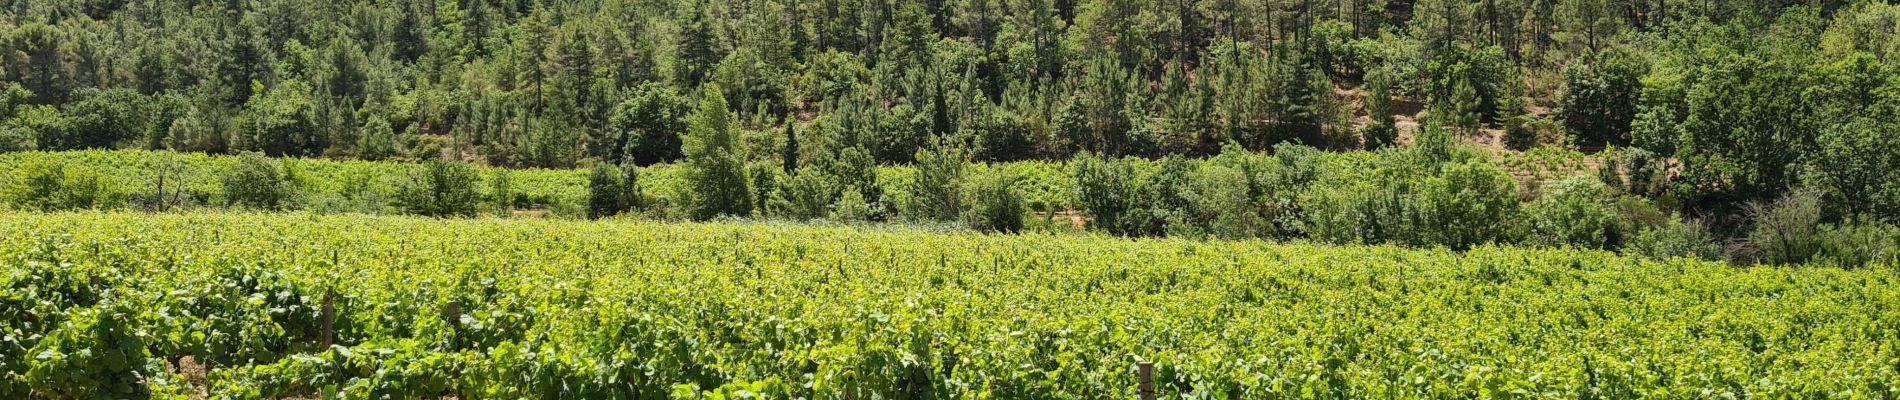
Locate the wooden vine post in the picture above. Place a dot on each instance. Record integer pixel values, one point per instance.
(328, 312)
(329, 318)
(1145, 370)
(453, 315)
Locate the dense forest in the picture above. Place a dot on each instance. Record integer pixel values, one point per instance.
(1709, 110)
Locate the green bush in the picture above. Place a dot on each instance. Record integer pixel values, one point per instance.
(649, 124)
(1105, 189)
(611, 190)
(854, 168)
(46, 125)
(376, 139)
(13, 138)
(1638, 172)
(851, 206)
(501, 192)
(1386, 199)
(1526, 132)
(1857, 244)
(994, 204)
(1160, 206)
(938, 190)
(1573, 212)
(256, 182)
(1219, 205)
(106, 118)
(1858, 162)
(806, 195)
(1674, 239)
(1469, 204)
(47, 184)
(1787, 230)
(764, 177)
(441, 189)
(1358, 212)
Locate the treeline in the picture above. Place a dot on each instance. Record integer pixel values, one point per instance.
(550, 83)
(1714, 106)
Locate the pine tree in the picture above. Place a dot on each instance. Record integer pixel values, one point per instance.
(1383, 130)
(790, 155)
(697, 55)
(410, 39)
(940, 125)
(714, 170)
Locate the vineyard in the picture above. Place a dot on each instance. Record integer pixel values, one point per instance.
(130, 178)
(231, 305)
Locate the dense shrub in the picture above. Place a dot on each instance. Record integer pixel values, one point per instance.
(1001, 135)
(501, 194)
(763, 177)
(1356, 212)
(46, 126)
(1161, 206)
(1433, 144)
(807, 194)
(48, 184)
(1408, 197)
(1525, 132)
(1469, 204)
(256, 182)
(646, 128)
(1105, 190)
(282, 122)
(854, 169)
(14, 139)
(376, 139)
(611, 190)
(441, 189)
(938, 190)
(1219, 206)
(994, 204)
(1636, 171)
(1673, 239)
(1858, 243)
(1787, 230)
(1858, 163)
(13, 100)
(104, 118)
(1574, 212)
(851, 206)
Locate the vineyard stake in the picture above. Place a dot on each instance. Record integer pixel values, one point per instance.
(1146, 372)
(453, 315)
(329, 318)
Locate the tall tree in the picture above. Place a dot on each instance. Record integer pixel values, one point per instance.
(716, 174)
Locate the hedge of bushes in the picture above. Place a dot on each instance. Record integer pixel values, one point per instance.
(1447, 196)
(1434, 194)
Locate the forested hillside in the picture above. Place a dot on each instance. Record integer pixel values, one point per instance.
(1713, 109)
